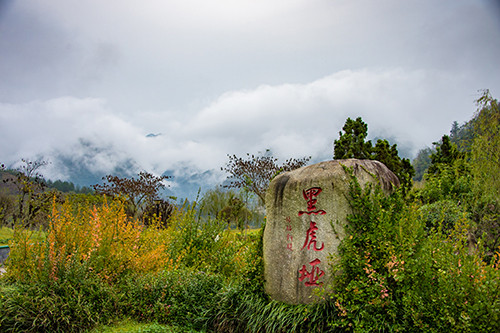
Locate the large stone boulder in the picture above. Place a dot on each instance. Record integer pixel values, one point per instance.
(306, 213)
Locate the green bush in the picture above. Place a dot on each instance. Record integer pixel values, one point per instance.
(441, 215)
(58, 307)
(451, 181)
(181, 297)
(450, 289)
(202, 244)
(396, 274)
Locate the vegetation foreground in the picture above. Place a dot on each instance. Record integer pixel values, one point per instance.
(398, 273)
(424, 259)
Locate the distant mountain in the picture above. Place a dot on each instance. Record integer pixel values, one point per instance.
(88, 163)
(152, 135)
(189, 182)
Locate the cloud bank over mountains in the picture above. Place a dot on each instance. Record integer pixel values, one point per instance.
(84, 83)
(292, 120)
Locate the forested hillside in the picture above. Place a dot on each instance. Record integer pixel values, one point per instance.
(461, 135)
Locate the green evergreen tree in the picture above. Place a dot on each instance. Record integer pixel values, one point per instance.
(351, 143)
(446, 153)
(387, 154)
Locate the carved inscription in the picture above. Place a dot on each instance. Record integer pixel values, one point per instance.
(310, 195)
(311, 238)
(311, 243)
(312, 276)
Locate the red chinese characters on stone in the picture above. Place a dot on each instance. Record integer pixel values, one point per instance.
(310, 195)
(312, 276)
(311, 238)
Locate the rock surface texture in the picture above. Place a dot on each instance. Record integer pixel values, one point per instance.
(306, 213)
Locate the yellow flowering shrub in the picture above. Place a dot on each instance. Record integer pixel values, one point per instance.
(103, 241)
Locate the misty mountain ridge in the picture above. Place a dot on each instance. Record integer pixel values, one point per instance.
(88, 162)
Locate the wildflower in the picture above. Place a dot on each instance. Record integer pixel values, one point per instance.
(343, 311)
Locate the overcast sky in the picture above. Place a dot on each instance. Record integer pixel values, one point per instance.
(89, 80)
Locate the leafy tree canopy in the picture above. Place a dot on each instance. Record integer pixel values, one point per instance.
(467, 172)
(254, 172)
(29, 185)
(139, 192)
(485, 155)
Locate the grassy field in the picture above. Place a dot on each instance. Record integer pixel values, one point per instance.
(131, 326)
(6, 234)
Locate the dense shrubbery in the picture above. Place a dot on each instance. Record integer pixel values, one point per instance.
(428, 261)
(410, 268)
(95, 265)
(403, 267)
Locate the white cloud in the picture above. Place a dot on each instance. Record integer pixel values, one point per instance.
(58, 126)
(293, 120)
(224, 77)
(304, 119)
